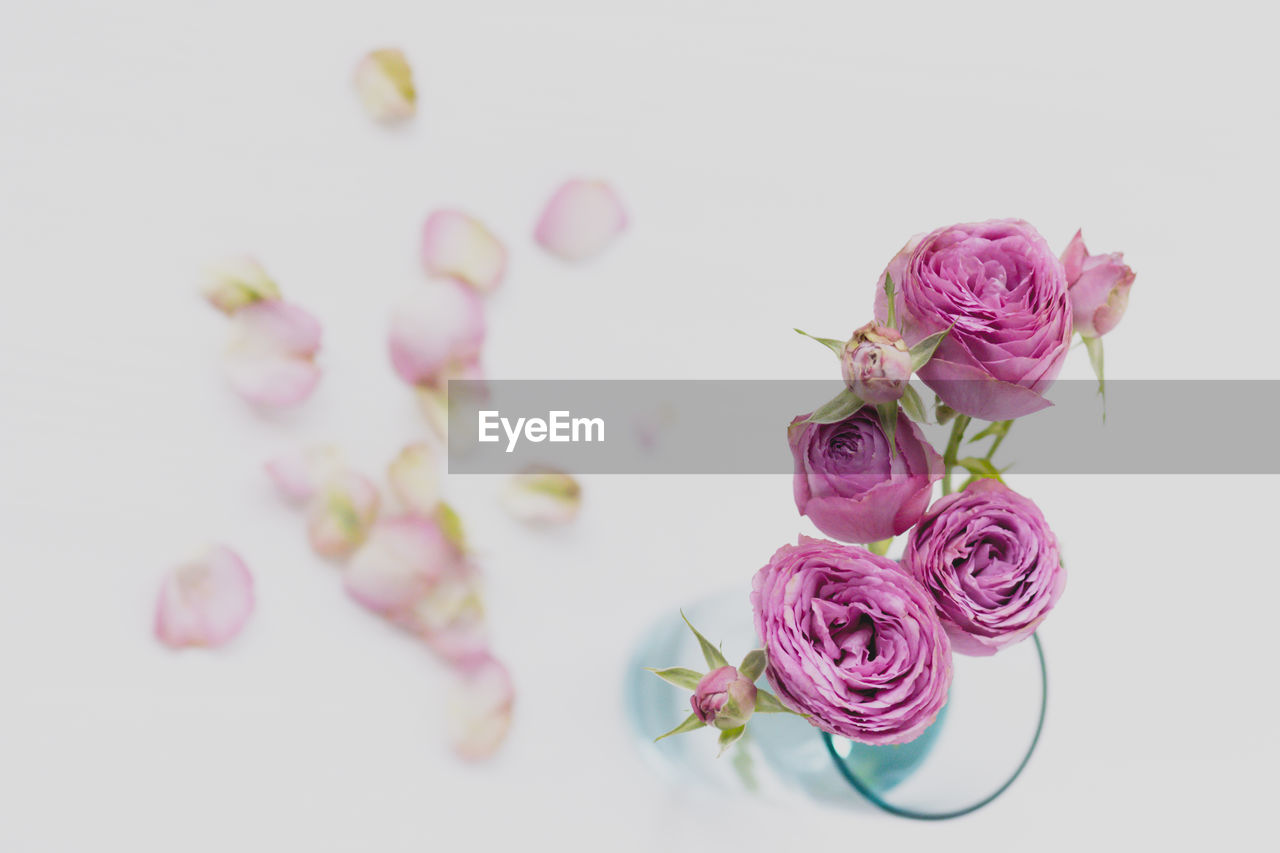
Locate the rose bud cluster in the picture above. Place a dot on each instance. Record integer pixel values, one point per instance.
(1098, 286)
(991, 564)
(876, 364)
(852, 641)
(724, 698)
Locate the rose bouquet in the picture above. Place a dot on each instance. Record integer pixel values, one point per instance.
(857, 643)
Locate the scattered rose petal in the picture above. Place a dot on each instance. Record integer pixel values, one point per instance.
(271, 358)
(580, 220)
(415, 479)
(458, 246)
(479, 708)
(236, 282)
(404, 558)
(436, 334)
(543, 497)
(450, 617)
(384, 82)
(204, 602)
(299, 474)
(341, 513)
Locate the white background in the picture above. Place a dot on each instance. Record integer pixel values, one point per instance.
(771, 164)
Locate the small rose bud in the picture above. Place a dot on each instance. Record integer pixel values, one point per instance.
(876, 364)
(724, 699)
(1098, 286)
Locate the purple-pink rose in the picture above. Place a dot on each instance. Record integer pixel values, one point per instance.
(724, 699)
(1006, 294)
(991, 563)
(1098, 286)
(876, 364)
(852, 641)
(849, 484)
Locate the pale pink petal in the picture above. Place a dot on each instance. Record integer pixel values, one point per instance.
(402, 560)
(204, 602)
(236, 282)
(341, 513)
(580, 220)
(384, 83)
(459, 246)
(415, 478)
(543, 497)
(271, 358)
(436, 333)
(480, 708)
(450, 617)
(300, 473)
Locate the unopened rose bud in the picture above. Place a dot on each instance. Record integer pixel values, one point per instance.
(724, 699)
(876, 364)
(1098, 286)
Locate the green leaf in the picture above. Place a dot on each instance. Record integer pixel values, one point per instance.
(832, 344)
(767, 703)
(1094, 347)
(714, 658)
(881, 547)
(993, 428)
(728, 738)
(889, 293)
(839, 407)
(923, 351)
(941, 411)
(679, 676)
(980, 467)
(888, 413)
(752, 665)
(913, 405)
(690, 723)
(745, 767)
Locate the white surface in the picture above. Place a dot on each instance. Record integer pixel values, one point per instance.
(771, 166)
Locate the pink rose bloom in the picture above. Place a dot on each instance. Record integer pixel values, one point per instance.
(848, 483)
(1006, 294)
(1098, 286)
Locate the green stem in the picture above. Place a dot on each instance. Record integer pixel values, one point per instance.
(997, 441)
(953, 450)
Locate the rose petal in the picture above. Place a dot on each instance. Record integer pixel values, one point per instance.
(404, 558)
(297, 475)
(437, 333)
(204, 602)
(459, 246)
(271, 358)
(236, 282)
(580, 219)
(479, 708)
(450, 617)
(341, 513)
(415, 479)
(384, 82)
(543, 497)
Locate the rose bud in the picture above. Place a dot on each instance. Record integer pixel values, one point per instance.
(876, 364)
(1098, 286)
(724, 699)
(851, 486)
(991, 563)
(852, 641)
(1002, 293)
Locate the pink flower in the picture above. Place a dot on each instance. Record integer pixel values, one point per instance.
(580, 220)
(271, 360)
(204, 602)
(876, 364)
(455, 245)
(724, 699)
(1098, 286)
(437, 334)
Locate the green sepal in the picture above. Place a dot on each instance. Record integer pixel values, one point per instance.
(913, 405)
(690, 723)
(890, 314)
(941, 411)
(998, 428)
(1093, 346)
(888, 413)
(924, 349)
(728, 738)
(679, 676)
(832, 344)
(752, 665)
(981, 468)
(880, 548)
(715, 659)
(767, 703)
(839, 407)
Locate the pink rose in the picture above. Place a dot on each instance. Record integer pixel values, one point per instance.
(876, 364)
(1098, 286)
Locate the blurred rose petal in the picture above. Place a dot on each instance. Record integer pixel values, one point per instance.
(415, 479)
(271, 358)
(581, 219)
(384, 82)
(341, 513)
(236, 282)
(299, 474)
(404, 558)
(450, 617)
(480, 706)
(204, 602)
(543, 497)
(459, 246)
(436, 334)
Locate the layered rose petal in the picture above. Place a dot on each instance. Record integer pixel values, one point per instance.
(580, 219)
(991, 563)
(543, 497)
(236, 282)
(300, 473)
(849, 484)
(479, 709)
(1098, 286)
(271, 360)
(340, 514)
(204, 602)
(437, 333)
(402, 561)
(1002, 293)
(459, 246)
(415, 479)
(852, 641)
(384, 83)
(450, 616)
